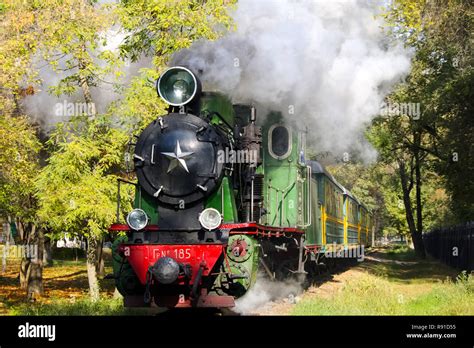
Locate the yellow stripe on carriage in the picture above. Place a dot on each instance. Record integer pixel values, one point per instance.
(323, 227)
(334, 219)
(346, 222)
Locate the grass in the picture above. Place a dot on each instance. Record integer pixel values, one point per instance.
(400, 253)
(391, 287)
(371, 295)
(60, 306)
(66, 289)
(66, 292)
(447, 299)
(83, 306)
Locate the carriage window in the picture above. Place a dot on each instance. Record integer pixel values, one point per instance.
(279, 142)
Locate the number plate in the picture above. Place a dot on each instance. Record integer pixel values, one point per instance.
(175, 253)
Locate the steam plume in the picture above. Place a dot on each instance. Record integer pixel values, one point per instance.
(265, 291)
(328, 61)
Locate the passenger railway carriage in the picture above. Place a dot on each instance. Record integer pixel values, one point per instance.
(220, 196)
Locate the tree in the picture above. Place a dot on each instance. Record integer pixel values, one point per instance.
(415, 146)
(72, 39)
(19, 148)
(76, 190)
(441, 80)
(19, 143)
(397, 139)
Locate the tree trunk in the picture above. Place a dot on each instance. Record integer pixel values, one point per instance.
(34, 287)
(91, 268)
(373, 236)
(24, 266)
(34, 278)
(419, 209)
(406, 188)
(86, 90)
(7, 232)
(25, 261)
(19, 228)
(100, 258)
(47, 254)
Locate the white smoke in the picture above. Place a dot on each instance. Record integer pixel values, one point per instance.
(42, 106)
(328, 61)
(264, 291)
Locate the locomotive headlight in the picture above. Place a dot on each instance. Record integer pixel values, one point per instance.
(137, 219)
(177, 86)
(210, 218)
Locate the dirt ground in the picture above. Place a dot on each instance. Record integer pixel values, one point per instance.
(66, 280)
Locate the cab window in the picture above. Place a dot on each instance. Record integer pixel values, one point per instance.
(279, 141)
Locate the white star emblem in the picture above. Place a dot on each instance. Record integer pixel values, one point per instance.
(177, 158)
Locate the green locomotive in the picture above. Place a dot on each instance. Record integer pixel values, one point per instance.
(221, 196)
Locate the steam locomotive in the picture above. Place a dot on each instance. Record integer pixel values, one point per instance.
(221, 197)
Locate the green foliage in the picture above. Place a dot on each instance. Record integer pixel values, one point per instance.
(140, 104)
(157, 29)
(73, 40)
(401, 253)
(19, 144)
(17, 47)
(19, 164)
(77, 189)
(441, 80)
(162, 27)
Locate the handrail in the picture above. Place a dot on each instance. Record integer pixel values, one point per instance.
(309, 197)
(306, 189)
